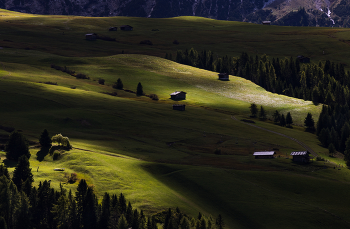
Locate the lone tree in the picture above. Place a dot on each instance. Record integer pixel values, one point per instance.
(16, 146)
(253, 109)
(139, 90)
(22, 173)
(220, 224)
(61, 141)
(309, 123)
(119, 84)
(289, 120)
(45, 140)
(262, 113)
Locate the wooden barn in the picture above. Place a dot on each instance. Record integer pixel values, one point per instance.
(91, 36)
(178, 95)
(126, 28)
(303, 59)
(264, 155)
(266, 22)
(224, 76)
(179, 107)
(113, 29)
(301, 156)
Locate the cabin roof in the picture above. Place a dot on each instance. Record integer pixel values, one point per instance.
(178, 92)
(299, 153)
(264, 153)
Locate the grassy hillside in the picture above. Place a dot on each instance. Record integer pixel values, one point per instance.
(156, 156)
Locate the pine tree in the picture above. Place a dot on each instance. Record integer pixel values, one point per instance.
(122, 223)
(4, 171)
(282, 121)
(106, 212)
(331, 150)
(45, 140)
(309, 123)
(139, 90)
(22, 173)
(220, 222)
(122, 204)
(276, 117)
(16, 146)
(262, 113)
(347, 152)
(118, 85)
(289, 120)
(253, 109)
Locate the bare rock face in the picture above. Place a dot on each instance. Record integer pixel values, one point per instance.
(318, 12)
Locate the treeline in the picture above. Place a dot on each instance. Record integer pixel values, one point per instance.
(44, 207)
(325, 82)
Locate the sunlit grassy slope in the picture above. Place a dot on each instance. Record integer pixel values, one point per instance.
(156, 156)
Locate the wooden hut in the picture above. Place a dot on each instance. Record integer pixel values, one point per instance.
(264, 155)
(91, 36)
(301, 156)
(179, 107)
(126, 28)
(113, 29)
(178, 95)
(224, 76)
(266, 22)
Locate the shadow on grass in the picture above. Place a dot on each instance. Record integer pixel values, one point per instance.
(10, 163)
(40, 155)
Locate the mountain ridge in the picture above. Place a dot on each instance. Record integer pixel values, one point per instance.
(279, 12)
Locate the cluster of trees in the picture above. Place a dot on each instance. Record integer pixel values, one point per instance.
(277, 117)
(24, 206)
(119, 85)
(325, 82)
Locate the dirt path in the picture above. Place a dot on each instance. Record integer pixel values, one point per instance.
(283, 135)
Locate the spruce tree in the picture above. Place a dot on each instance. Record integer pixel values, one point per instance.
(4, 171)
(16, 146)
(347, 153)
(119, 84)
(253, 109)
(122, 223)
(282, 121)
(262, 113)
(22, 173)
(105, 212)
(220, 222)
(289, 120)
(139, 90)
(45, 140)
(276, 117)
(309, 123)
(331, 150)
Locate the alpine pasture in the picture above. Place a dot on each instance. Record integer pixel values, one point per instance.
(158, 157)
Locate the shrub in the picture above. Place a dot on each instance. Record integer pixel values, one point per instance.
(73, 178)
(51, 83)
(146, 42)
(154, 97)
(175, 42)
(217, 151)
(81, 76)
(56, 155)
(101, 81)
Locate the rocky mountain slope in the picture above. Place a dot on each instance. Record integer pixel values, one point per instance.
(281, 12)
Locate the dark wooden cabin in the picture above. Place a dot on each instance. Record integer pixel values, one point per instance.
(91, 36)
(224, 76)
(301, 156)
(303, 59)
(126, 28)
(113, 29)
(178, 95)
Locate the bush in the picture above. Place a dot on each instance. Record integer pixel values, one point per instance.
(146, 42)
(101, 81)
(73, 178)
(154, 97)
(51, 83)
(56, 156)
(81, 76)
(217, 151)
(175, 42)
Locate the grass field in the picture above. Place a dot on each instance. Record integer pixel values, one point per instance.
(158, 157)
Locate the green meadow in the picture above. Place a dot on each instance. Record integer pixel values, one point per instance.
(159, 157)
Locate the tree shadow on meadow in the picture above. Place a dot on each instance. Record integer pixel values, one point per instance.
(41, 154)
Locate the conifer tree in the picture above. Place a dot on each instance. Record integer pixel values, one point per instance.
(282, 121)
(262, 113)
(4, 171)
(139, 90)
(309, 123)
(220, 222)
(22, 173)
(331, 150)
(118, 85)
(289, 119)
(16, 146)
(276, 117)
(105, 212)
(122, 223)
(45, 140)
(253, 109)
